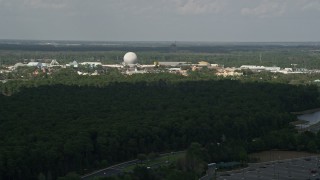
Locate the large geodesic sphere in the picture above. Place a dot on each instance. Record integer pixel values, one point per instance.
(130, 58)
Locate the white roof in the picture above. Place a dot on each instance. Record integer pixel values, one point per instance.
(91, 63)
(113, 65)
(54, 62)
(33, 64)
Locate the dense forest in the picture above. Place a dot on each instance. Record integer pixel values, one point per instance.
(52, 129)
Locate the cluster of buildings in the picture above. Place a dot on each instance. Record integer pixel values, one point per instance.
(273, 69)
(131, 66)
(35, 64)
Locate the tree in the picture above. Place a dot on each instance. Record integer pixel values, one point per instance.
(41, 176)
(142, 157)
(70, 176)
(195, 158)
(143, 173)
(153, 155)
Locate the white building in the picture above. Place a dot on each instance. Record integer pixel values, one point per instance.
(73, 64)
(252, 67)
(53, 63)
(91, 64)
(273, 69)
(112, 65)
(34, 64)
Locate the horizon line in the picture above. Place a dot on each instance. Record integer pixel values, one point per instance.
(174, 41)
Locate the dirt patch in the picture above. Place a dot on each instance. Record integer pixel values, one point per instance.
(275, 155)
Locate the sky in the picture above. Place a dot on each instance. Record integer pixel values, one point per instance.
(161, 20)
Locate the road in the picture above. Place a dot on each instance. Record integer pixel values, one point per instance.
(118, 168)
(110, 171)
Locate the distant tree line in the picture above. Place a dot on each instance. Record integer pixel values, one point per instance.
(229, 56)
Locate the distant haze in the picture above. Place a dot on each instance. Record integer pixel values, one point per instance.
(161, 20)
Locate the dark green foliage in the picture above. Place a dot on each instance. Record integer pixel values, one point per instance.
(143, 173)
(196, 157)
(70, 176)
(142, 157)
(153, 155)
(58, 129)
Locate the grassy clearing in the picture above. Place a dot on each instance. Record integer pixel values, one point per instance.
(160, 161)
(275, 155)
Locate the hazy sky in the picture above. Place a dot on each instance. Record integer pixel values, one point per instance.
(164, 20)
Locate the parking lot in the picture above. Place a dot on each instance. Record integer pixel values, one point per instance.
(301, 168)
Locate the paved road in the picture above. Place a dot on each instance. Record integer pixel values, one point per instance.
(110, 171)
(118, 168)
(299, 169)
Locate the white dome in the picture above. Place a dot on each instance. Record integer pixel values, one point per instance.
(130, 58)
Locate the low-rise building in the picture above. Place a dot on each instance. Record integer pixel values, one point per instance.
(204, 64)
(173, 64)
(253, 67)
(73, 64)
(272, 69)
(91, 64)
(34, 64)
(228, 72)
